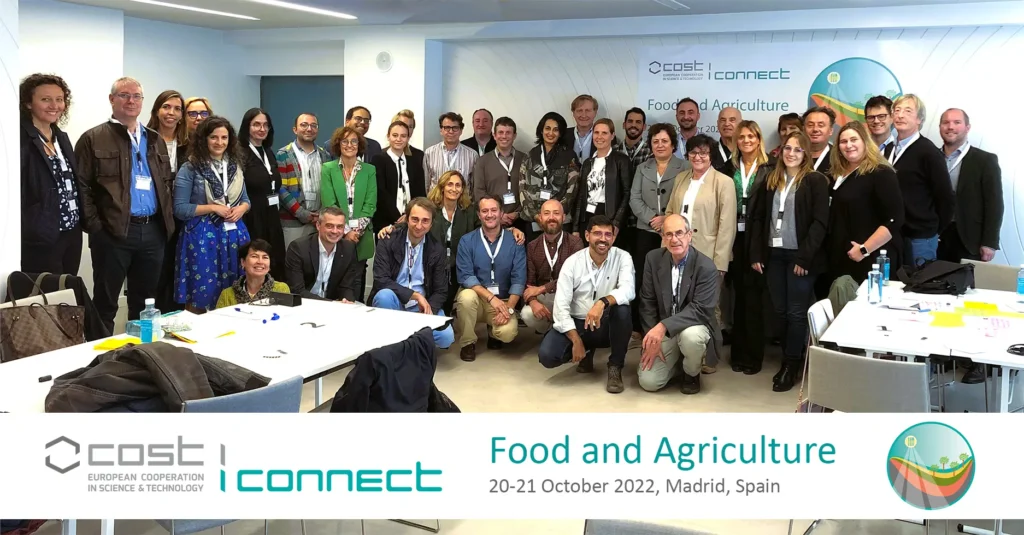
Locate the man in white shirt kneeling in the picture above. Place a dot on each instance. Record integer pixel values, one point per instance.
(591, 308)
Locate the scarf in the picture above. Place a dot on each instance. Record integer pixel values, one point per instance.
(242, 294)
(215, 187)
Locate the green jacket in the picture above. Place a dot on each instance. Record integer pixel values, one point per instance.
(333, 192)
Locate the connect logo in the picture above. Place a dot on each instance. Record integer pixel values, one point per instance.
(848, 83)
(931, 466)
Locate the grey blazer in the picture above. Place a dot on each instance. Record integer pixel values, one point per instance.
(647, 197)
(700, 288)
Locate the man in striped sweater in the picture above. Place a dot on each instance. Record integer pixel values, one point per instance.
(299, 163)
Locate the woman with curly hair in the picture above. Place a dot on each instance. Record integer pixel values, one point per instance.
(51, 235)
(210, 198)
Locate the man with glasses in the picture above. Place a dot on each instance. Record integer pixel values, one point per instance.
(323, 265)
(449, 154)
(591, 307)
(878, 116)
(300, 163)
(677, 308)
(125, 184)
(358, 117)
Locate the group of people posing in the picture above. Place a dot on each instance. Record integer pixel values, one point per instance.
(587, 239)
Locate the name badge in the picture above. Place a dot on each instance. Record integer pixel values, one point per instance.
(67, 184)
(741, 226)
(493, 289)
(778, 223)
(143, 183)
(230, 226)
(509, 198)
(72, 205)
(545, 195)
(776, 242)
(591, 208)
(273, 200)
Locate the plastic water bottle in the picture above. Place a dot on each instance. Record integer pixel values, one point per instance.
(149, 320)
(1020, 285)
(883, 262)
(874, 285)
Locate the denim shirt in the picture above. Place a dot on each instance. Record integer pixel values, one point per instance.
(190, 192)
(474, 264)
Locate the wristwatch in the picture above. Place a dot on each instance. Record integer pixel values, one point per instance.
(863, 250)
(511, 312)
(604, 300)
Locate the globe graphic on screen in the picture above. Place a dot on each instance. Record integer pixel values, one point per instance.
(930, 466)
(847, 84)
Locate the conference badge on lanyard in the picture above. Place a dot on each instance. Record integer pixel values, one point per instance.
(222, 174)
(545, 188)
(741, 218)
(777, 238)
(509, 197)
(821, 158)
(493, 286)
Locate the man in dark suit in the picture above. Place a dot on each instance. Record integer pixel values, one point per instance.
(481, 141)
(677, 310)
(410, 269)
(323, 265)
(358, 117)
(977, 182)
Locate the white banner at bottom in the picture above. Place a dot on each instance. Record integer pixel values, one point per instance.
(538, 466)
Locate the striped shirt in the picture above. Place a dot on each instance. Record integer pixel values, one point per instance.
(437, 161)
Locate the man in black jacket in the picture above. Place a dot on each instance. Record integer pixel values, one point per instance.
(323, 265)
(410, 269)
(924, 181)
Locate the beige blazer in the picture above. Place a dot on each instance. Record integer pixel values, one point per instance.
(713, 214)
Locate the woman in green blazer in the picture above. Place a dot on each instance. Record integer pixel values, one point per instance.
(351, 185)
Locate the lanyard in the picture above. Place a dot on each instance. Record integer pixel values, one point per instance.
(821, 158)
(636, 150)
(324, 274)
(544, 164)
(411, 261)
(350, 186)
(678, 287)
(136, 142)
(487, 248)
(595, 276)
(64, 164)
(508, 168)
(721, 150)
(785, 193)
(262, 156)
(746, 177)
(839, 181)
(583, 144)
(451, 223)
(222, 174)
(963, 152)
(553, 260)
(893, 157)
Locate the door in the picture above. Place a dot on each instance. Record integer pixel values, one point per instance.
(285, 97)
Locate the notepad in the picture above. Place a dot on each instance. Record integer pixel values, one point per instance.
(947, 319)
(111, 344)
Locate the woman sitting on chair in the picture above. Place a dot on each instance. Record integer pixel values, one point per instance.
(256, 284)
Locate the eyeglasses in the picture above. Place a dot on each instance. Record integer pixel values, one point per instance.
(679, 234)
(699, 154)
(129, 96)
(876, 118)
(361, 120)
(794, 150)
(203, 114)
(349, 143)
(308, 126)
(451, 128)
(260, 126)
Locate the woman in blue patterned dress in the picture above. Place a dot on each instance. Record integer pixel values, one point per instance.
(210, 198)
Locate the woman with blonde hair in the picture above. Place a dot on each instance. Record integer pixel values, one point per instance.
(197, 110)
(787, 245)
(751, 169)
(409, 118)
(867, 212)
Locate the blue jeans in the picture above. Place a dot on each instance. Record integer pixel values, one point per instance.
(923, 249)
(614, 332)
(443, 338)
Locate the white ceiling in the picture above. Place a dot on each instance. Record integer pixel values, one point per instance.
(371, 12)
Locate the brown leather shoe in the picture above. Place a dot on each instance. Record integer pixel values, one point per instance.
(468, 353)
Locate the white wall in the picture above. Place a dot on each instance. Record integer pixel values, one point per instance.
(193, 61)
(10, 205)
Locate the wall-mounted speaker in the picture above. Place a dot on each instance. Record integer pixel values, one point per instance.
(384, 61)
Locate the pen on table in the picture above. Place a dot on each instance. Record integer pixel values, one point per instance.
(229, 333)
(243, 311)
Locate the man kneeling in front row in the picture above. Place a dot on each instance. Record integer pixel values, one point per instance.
(591, 308)
(410, 269)
(677, 310)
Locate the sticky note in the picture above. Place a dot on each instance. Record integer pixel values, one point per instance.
(116, 343)
(947, 319)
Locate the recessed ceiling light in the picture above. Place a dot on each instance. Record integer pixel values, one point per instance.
(307, 9)
(196, 9)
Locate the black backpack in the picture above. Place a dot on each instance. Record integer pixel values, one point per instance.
(937, 277)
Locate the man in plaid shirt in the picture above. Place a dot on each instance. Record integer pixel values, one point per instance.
(635, 146)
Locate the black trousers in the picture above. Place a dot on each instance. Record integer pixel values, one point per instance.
(453, 288)
(644, 241)
(139, 258)
(556, 348)
(952, 248)
(748, 287)
(792, 295)
(63, 257)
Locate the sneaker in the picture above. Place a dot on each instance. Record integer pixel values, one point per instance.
(614, 379)
(975, 375)
(690, 384)
(468, 353)
(708, 370)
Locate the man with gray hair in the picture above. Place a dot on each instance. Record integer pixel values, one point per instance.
(677, 309)
(928, 198)
(125, 186)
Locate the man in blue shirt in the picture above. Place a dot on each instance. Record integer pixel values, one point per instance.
(410, 269)
(125, 185)
(491, 271)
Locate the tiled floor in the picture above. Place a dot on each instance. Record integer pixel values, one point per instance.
(513, 381)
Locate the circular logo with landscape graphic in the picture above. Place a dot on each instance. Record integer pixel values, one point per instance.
(931, 466)
(848, 83)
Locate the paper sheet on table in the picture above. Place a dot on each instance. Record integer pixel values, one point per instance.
(947, 319)
(204, 330)
(111, 344)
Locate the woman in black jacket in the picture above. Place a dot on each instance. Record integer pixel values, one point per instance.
(262, 182)
(787, 244)
(400, 177)
(51, 233)
(605, 181)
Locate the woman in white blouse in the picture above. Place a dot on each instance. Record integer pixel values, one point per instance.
(605, 182)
